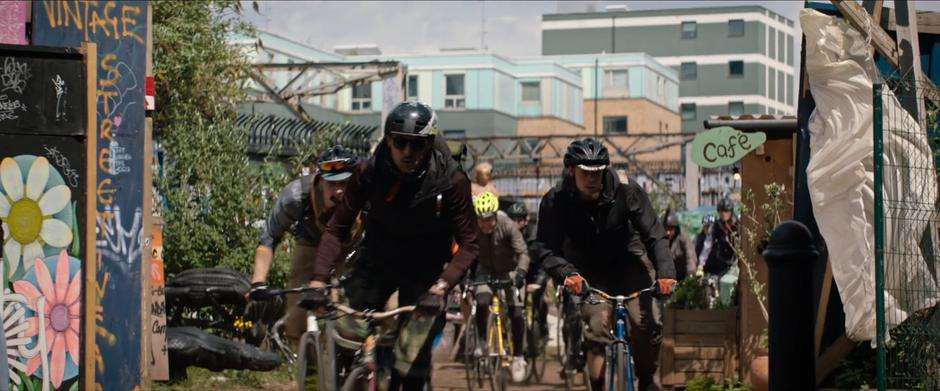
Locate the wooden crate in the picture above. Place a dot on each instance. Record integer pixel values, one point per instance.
(698, 342)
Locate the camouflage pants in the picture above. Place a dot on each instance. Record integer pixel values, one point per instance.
(369, 288)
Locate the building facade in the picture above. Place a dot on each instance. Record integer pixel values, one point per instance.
(730, 60)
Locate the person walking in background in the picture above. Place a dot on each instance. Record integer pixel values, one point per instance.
(483, 180)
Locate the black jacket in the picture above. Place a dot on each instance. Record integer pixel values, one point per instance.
(607, 242)
(412, 222)
(721, 255)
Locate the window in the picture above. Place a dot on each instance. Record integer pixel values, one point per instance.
(362, 97)
(736, 28)
(531, 91)
(615, 124)
(689, 30)
(736, 108)
(688, 111)
(455, 134)
(413, 87)
(689, 71)
(735, 68)
(454, 92)
(616, 82)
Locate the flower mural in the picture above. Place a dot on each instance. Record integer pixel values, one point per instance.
(60, 315)
(15, 326)
(36, 213)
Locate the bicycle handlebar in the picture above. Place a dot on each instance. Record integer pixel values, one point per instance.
(604, 295)
(372, 315)
(494, 283)
(300, 289)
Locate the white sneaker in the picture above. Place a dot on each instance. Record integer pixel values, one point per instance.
(478, 352)
(518, 369)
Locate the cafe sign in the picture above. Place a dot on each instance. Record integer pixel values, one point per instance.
(723, 146)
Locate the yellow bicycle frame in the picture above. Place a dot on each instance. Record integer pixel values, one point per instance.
(496, 309)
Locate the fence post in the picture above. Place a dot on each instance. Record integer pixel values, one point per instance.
(878, 157)
(790, 256)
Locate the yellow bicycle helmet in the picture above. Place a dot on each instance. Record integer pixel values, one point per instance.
(486, 204)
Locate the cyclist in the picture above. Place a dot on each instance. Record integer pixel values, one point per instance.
(600, 230)
(718, 258)
(303, 208)
(536, 279)
(718, 255)
(419, 206)
(683, 251)
(707, 222)
(503, 256)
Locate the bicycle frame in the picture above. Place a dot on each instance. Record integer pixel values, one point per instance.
(621, 332)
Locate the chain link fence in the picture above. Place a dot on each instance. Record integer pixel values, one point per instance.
(906, 237)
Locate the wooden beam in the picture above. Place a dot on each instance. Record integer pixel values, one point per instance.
(927, 22)
(874, 7)
(909, 92)
(858, 18)
(823, 306)
(830, 359)
(90, 286)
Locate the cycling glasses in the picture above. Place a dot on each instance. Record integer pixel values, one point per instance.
(416, 143)
(334, 165)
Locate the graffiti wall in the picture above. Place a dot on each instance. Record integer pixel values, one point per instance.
(42, 210)
(119, 28)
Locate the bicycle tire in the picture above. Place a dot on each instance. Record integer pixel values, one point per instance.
(502, 379)
(303, 361)
(493, 353)
(536, 361)
(622, 379)
(357, 380)
(471, 363)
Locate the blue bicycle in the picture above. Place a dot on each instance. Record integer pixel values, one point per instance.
(619, 352)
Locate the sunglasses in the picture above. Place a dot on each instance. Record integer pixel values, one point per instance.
(334, 165)
(416, 143)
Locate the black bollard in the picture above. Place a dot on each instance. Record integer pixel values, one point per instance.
(790, 256)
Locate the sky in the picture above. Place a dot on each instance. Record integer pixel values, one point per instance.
(512, 28)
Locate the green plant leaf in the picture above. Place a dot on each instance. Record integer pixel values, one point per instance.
(76, 236)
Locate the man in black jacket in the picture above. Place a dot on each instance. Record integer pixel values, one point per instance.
(594, 228)
(419, 206)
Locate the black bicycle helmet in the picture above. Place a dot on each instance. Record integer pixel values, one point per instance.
(411, 118)
(671, 221)
(726, 205)
(587, 153)
(517, 210)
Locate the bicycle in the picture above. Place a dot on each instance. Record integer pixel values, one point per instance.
(619, 352)
(309, 350)
(536, 339)
(570, 332)
(497, 352)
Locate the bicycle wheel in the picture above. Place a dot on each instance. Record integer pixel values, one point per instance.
(536, 360)
(471, 362)
(358, 379)
(307, 355)
(498, 370)
(622, 379)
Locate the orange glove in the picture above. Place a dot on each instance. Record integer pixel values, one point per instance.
(575, 283)
(666, 285)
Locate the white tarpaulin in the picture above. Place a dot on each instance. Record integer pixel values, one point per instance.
(841, 178)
